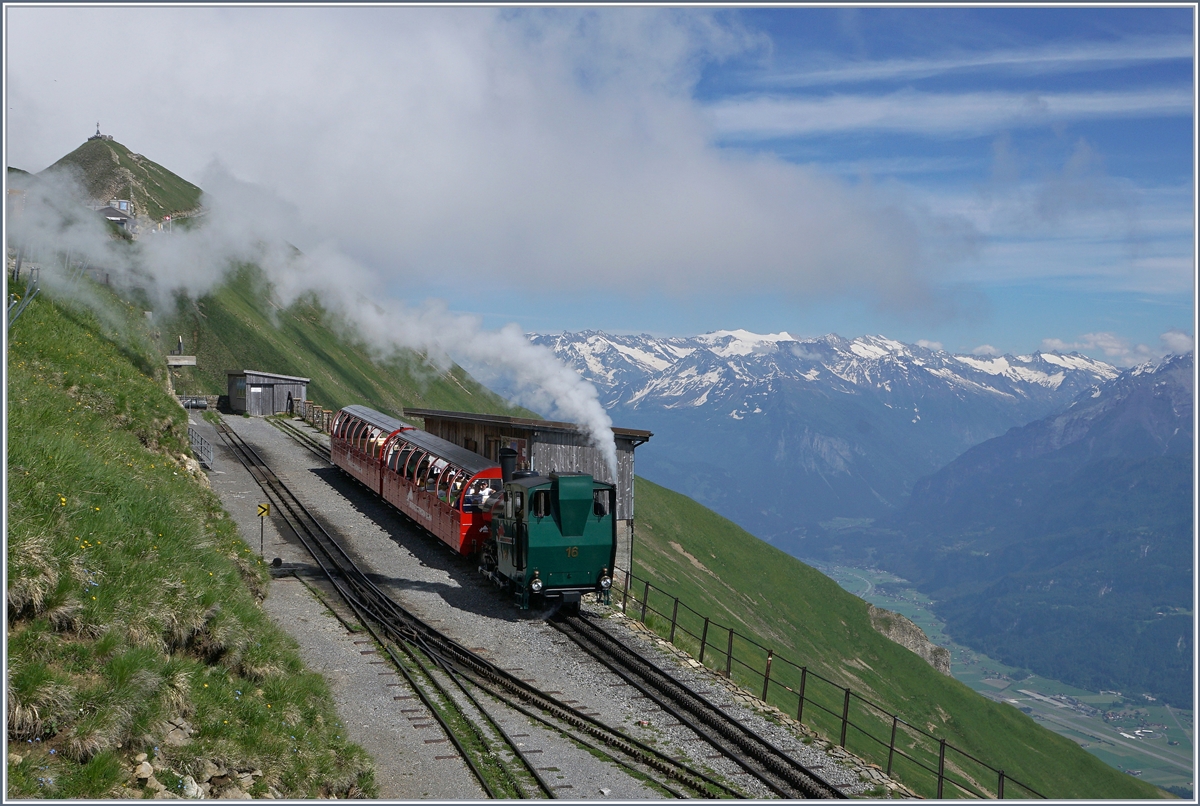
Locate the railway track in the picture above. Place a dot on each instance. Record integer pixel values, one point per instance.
(461, 678)
(305, 438)
(782, 774)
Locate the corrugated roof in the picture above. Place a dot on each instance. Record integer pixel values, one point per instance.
(520, 422)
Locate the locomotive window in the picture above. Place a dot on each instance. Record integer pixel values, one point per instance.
(600, 503)
(518, 503)
(540, 503)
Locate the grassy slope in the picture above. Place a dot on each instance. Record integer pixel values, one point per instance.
(110, 170)
(807, 618)
(131, 598)
(238, 327)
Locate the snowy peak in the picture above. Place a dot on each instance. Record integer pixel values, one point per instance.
(709, 369)
(741, 342)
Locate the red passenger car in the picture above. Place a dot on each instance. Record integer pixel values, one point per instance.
(443, 487)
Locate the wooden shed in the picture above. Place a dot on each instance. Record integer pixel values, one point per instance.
(261, 393)
(546, 447)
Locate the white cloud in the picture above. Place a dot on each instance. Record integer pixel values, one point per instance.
(938, 114)
(985, 349)
(551, 148)
(930, 345)
(1176, 341)
(1120, 350)
(1058, 58)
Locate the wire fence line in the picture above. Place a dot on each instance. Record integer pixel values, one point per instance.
(902, 749)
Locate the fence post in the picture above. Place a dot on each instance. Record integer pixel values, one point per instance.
(803, 681)
(703, 640)
(845, 716)
(1000, 789)
(674, 615)
(625, 596)
(645, 599)
(941, 766)
(767, 673)
(729, 657)
(892, 747)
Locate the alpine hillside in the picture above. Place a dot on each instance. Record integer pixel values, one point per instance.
(781, 434)
(1065, 546)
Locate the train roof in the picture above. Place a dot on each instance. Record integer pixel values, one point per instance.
(468, 460)
(377, 419)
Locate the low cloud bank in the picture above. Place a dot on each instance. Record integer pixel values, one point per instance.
(244, 225)
(1121, 351)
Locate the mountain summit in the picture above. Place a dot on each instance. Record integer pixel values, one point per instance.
(780, 434)
(108, 170)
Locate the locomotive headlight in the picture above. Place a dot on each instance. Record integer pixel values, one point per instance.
(605, 583)
(536, 585)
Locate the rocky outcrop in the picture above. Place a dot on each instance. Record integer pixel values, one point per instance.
(208, 780)
(908, 635)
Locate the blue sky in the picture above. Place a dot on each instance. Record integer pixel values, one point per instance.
(982, 178)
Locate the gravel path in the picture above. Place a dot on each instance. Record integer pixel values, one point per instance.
(445, 591)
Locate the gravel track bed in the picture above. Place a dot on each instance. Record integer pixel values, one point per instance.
(440, 588)
(445, 591)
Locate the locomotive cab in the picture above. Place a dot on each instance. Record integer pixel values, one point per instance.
(555, 536)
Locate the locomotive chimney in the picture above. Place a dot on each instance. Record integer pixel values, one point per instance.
(508, 463)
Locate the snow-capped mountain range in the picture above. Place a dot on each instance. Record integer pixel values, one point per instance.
(635, 371)
(780, 434)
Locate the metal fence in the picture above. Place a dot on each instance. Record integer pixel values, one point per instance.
(201, 448)
(908, 752)
(18, 304)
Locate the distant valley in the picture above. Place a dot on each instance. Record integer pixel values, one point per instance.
(1044, 501)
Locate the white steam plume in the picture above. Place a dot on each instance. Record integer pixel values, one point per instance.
(243, 224)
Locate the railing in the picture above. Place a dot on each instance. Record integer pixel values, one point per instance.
(202, 448)
(909, 753)
(17, 305)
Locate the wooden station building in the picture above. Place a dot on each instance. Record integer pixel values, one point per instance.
(264, 393)
(546, 447)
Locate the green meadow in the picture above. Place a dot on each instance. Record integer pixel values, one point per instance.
(131, 598)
